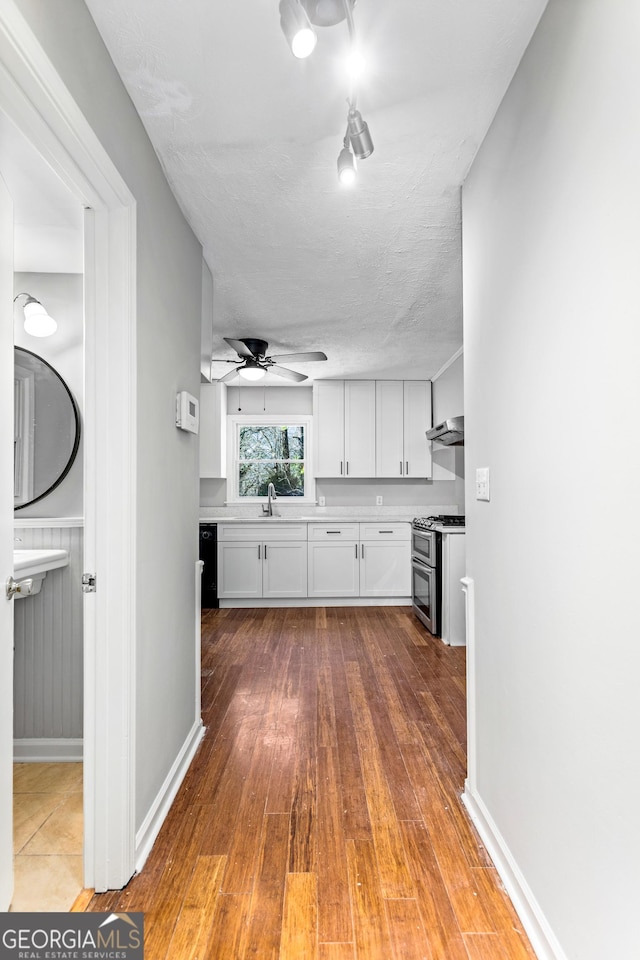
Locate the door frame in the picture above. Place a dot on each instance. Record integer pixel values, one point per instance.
(33, 95)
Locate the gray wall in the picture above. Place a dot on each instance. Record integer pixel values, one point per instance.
(169, 287)
(552, 352)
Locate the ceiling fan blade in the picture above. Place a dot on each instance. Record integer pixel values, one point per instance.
(287, 374)
(228, 376)
(301, 357)
(241, 348)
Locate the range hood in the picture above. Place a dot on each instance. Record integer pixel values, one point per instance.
(449, 431)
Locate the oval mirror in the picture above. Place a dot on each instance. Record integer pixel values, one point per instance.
(47, 428)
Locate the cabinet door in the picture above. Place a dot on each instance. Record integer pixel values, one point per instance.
(389, 428)
(284, 569)
(417, 420)
(213, 427)
(333, 569)
(385, 569)
(360, 428)
(328, 415)
(239, 569)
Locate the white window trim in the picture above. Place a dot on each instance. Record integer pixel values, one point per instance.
(235, 421)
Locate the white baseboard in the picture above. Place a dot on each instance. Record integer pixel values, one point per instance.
(146, 835)
(47, 751)
(260, 603)
(542, 937)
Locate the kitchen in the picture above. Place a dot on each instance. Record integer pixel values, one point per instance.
(394, 477)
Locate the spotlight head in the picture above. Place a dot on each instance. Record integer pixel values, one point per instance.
(359, 135)
(296, 27)
(346, 167)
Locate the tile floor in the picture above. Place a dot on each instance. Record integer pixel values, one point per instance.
(47, 835)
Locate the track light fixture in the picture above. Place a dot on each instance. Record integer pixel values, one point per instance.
(297, 28)
(347, 172)
(296, 19)
(37, 321)
(359, 136)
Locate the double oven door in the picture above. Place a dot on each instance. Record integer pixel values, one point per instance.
(424, 577)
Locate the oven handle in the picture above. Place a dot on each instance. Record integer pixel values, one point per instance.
(421, 565)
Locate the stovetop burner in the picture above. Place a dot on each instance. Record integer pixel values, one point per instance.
(443, 520)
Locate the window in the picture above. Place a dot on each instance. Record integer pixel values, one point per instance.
(269, 450)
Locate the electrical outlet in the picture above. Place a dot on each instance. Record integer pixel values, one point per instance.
(482, 484)
(321, 501)
(378, 501)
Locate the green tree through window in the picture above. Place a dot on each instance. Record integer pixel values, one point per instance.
(271, 454)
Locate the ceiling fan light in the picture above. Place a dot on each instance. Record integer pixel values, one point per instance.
(297, 29)
(252, 371)
(347, 172)
(37, 322)
(359, 135)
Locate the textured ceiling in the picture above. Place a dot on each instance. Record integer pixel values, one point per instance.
(249, 138)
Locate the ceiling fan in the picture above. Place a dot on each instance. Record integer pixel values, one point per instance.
(254, 361)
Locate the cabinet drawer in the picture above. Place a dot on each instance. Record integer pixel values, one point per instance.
(262, 530)
(334, 531)
(385, 531)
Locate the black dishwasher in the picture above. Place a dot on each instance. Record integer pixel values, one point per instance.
(209, 556)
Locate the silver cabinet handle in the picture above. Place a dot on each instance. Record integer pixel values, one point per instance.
(401, 468)
(362, 551)
(407, 468)
(265, 551)
(385, 531)
(356, 551)
(23, 587)
(341, 468)
(259, 556)
(347, 468)
(334, 531)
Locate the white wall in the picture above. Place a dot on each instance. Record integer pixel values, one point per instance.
(169, 283)
(552, 401)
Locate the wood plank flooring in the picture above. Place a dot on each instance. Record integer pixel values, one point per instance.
(321, 818)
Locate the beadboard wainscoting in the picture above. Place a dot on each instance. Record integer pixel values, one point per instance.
(48, 638)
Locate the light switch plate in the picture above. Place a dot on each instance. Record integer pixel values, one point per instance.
(482, 484)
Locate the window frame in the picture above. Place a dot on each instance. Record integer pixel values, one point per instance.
(235, 422)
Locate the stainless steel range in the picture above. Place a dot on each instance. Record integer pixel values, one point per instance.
(435, 563)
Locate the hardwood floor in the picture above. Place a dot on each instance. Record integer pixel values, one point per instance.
(321, 817)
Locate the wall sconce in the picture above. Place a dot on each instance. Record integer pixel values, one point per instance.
(37, 322)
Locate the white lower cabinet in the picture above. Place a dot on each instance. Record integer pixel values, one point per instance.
(255, 568)
(349, 559)
(385, 569)
(360, 560)
(239, 570)
(334, 569)
(275, 568)
(284, 569)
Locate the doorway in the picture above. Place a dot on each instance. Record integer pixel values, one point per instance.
(48, 253)
(39, 105)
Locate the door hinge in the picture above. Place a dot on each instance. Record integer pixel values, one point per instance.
(88, 583)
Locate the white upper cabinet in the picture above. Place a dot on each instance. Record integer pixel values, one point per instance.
(213, 430)
(403, 415)
(344, 422)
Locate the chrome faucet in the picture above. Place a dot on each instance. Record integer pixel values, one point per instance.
(271, 494)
